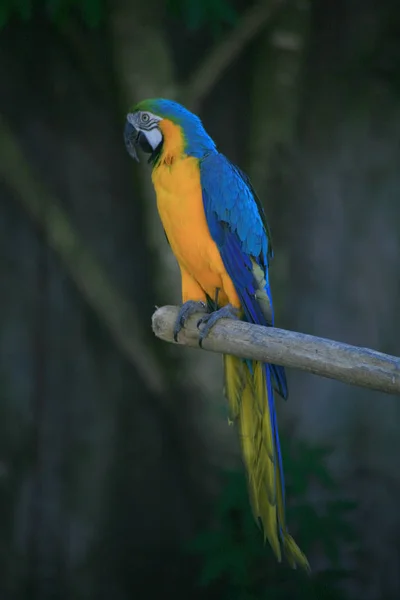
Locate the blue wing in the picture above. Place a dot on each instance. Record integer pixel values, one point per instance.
(238, 226)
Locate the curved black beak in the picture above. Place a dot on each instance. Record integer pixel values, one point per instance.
(131, 139)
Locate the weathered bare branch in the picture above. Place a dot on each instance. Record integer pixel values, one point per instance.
(87, 273)
(350, 364)
(224, 53)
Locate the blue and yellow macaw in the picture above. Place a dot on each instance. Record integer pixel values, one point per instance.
(217, 229)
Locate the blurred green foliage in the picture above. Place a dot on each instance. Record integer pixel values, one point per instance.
(204, 13)
(195, 14)
(91, 11)
(237, 565)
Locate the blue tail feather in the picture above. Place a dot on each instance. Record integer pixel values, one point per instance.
(274, 425)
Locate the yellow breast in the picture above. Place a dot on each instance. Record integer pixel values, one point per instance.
(180, 205)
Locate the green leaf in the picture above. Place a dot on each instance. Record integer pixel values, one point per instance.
(19, 8)
(207, 542)
(231, 563)
(55, 7)
(306, 515)
(304, 462)
(194, 14)
(92, 11)
(4, 13)
(234, 495)
(200, 13)
(24, 8)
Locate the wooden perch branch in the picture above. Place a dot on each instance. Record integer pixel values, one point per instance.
(350, 364)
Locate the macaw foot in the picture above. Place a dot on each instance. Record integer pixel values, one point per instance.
(208, 321)
(187, 309)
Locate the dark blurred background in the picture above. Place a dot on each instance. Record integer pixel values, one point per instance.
(119, 475)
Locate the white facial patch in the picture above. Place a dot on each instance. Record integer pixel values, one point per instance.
(154, 137)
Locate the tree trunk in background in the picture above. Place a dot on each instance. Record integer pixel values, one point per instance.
(278, 59)
(144, 69)
(114, 467)
(343, 228)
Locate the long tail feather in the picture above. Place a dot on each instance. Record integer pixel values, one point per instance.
(249, 391)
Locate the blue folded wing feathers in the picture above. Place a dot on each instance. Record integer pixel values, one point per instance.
(238, 226)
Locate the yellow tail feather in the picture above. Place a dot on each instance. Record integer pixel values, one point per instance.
(247, 394)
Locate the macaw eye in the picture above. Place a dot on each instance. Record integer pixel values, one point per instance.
(145, 118)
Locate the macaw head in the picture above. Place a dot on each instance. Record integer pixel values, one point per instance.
(153, 124)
